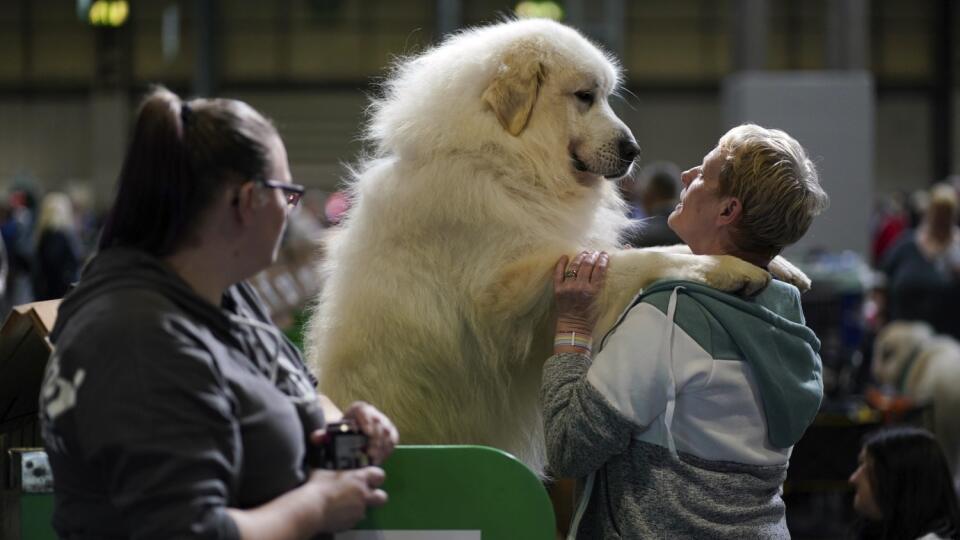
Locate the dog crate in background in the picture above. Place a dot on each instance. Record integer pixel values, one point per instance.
(816, 491)
(833, 308)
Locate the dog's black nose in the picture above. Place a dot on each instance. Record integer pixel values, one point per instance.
(628, 150)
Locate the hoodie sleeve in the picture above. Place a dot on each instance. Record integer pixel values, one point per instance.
(582, 430)
(170, 454)
(592, 409)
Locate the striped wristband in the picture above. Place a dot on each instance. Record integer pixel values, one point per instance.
(583, 342)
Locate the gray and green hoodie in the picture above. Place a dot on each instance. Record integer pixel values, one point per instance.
(682, 424)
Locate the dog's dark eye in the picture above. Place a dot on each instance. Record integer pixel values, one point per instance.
(584, 96)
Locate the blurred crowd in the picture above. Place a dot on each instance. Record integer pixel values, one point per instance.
(47, 238)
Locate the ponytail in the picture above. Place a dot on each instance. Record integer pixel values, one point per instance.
(181, 157)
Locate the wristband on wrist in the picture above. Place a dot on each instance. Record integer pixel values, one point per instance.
(581, 342)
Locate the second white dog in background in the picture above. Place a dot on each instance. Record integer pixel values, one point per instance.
(926, 368)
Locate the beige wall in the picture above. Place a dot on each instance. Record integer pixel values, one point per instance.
(53, 138)
(47, 139)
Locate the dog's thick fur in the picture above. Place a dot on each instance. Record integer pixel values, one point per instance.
(926, 368)
(488, 163)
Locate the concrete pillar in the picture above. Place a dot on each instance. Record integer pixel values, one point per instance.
(607, 24)
(615, 26)
(109, 109)
(574, 13)
(750, 30)
(848, 34)
(109, 125)
(941, 94)
(449, 17)
(207, 64)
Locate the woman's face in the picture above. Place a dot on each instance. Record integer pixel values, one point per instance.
(864, 499)
(274, 212)
(694, 218)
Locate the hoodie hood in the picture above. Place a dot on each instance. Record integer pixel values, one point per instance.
(782, 352)
(122, 268)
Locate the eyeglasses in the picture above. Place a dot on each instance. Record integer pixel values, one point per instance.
(292, 192)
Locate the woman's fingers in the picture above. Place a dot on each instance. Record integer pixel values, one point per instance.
(577, 262)
(559, 269)
(586, 268)
(373, 477)
(381, 433)
(600, 270)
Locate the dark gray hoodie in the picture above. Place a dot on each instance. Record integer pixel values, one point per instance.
(161, 410)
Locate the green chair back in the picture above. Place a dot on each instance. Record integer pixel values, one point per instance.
(473, 489)
(436, 493)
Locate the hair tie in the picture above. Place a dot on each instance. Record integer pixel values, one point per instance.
(185, 113)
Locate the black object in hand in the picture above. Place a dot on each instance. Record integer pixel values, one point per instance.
(344, 447)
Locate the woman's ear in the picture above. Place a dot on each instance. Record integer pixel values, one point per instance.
(730, 211)
(245, 201)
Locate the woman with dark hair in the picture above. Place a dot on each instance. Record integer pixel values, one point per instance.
(172, 407)
(904, 488)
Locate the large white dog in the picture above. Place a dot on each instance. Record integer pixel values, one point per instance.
(490, 154)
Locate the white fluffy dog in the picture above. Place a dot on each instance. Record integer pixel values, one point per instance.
(926, 368)
(489, 158)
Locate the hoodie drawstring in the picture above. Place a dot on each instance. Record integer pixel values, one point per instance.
(667, 356)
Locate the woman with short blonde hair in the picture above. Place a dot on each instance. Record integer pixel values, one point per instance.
(682, 424)
(777, 184)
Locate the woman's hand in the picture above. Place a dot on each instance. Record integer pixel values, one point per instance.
(328, 501)
(576, 286)
(347, 495)
(380, 431)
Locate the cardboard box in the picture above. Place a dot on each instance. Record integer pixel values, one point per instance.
(24, 351)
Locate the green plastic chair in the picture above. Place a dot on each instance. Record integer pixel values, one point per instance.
(436, 492)
(460, 488)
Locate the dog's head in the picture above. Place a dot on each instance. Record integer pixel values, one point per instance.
(531, 87)
(898, 343)
(551, 81)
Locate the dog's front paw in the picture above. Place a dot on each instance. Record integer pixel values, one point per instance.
(785, 271)
(735, 275)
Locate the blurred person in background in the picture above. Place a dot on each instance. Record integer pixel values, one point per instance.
(4, 270)
(85, 215)
(923, 267)
(903, 488)
(17, 231)
(172, 407)
(57, 257)
(891, 219)
(659, 187)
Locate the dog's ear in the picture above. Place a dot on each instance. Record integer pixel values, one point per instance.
(514, 89)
